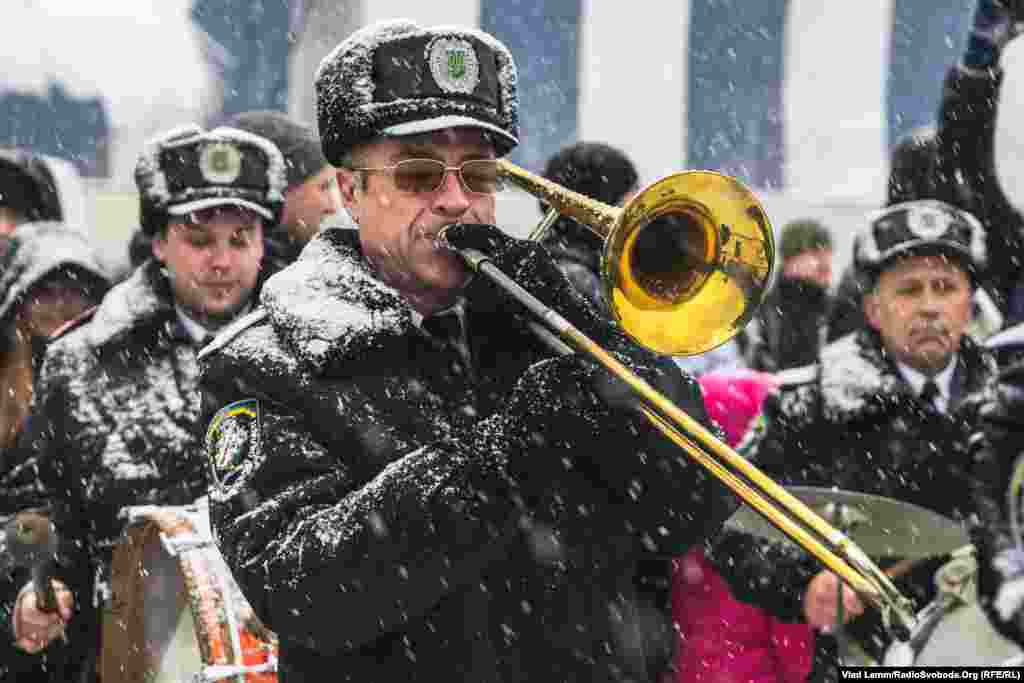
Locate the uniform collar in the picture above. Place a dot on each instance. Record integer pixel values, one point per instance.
(195, 331)
(943, 380)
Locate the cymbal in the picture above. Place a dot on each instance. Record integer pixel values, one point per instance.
(881, 527)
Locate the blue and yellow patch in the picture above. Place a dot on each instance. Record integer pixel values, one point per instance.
(232, 437)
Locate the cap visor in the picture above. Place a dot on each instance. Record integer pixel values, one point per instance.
(210, 202)
(442, 122)
(927, 248)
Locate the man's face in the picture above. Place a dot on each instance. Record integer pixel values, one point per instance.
(9, 220)
(213, 261)
(921, 307)
(308, 204)
(813, 265)
(398, 228)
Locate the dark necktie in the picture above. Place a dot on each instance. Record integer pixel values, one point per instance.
(929, 393)
(446, 328)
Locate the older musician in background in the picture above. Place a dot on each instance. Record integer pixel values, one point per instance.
(883, 412)
(408, 485)
(117, 414)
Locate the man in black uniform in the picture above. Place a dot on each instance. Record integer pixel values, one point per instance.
(117, 419)
(886, 411)
(407, 484)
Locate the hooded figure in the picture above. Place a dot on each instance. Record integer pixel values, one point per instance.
(49, 276)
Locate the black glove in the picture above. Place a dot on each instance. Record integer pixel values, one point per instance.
(533, 269)
(995, 23)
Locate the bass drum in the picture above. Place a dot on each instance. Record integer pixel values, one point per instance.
(175, 613)
(953, 630)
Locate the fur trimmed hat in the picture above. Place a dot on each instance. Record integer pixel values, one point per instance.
(36, 252)
(921, 227)
(398, 78)
(187, 169)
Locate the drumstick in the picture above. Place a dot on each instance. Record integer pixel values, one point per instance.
(32, 542)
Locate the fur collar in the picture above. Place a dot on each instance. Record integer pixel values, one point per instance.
(858, 380)
(142, 299)
(328, 306)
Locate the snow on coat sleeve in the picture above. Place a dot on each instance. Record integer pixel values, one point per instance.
(337, 562)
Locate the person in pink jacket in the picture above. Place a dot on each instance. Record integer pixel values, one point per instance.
(720, 638)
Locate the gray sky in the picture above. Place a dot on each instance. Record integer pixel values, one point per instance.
(139, 54)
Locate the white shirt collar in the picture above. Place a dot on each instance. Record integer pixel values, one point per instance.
(943, 380)
(196, 332)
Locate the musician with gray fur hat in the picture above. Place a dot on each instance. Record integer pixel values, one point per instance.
(410, 485)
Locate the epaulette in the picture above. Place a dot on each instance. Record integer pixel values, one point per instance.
(231, 331)
(73, 324)
(802, 375)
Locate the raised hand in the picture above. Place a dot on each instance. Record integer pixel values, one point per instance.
(40, 615)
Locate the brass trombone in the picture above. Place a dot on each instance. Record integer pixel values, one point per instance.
(685, 265)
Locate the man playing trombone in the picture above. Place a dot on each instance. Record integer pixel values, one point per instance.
(407, 484)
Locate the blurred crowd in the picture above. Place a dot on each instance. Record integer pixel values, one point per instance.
(897, 374)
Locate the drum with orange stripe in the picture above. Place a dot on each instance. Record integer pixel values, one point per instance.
(176, 613)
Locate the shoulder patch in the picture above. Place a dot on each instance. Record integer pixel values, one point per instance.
(802, 375)
(74, 323)
(232, 438)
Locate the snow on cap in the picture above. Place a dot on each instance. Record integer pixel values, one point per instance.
(187, 169)
(924, 226)
(398, 78)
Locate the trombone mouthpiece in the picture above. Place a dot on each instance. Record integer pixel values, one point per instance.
(442, 237)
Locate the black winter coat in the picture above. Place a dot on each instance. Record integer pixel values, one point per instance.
(115, 422)
(395, 513)
(851, 422)
(966, 172)
(789, 327)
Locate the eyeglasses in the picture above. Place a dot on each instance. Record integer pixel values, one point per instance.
(426, 176)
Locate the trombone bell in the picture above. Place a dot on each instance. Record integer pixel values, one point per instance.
(685, 263)
(688, 263)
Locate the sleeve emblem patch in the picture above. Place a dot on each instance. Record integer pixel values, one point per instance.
(232, 438)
